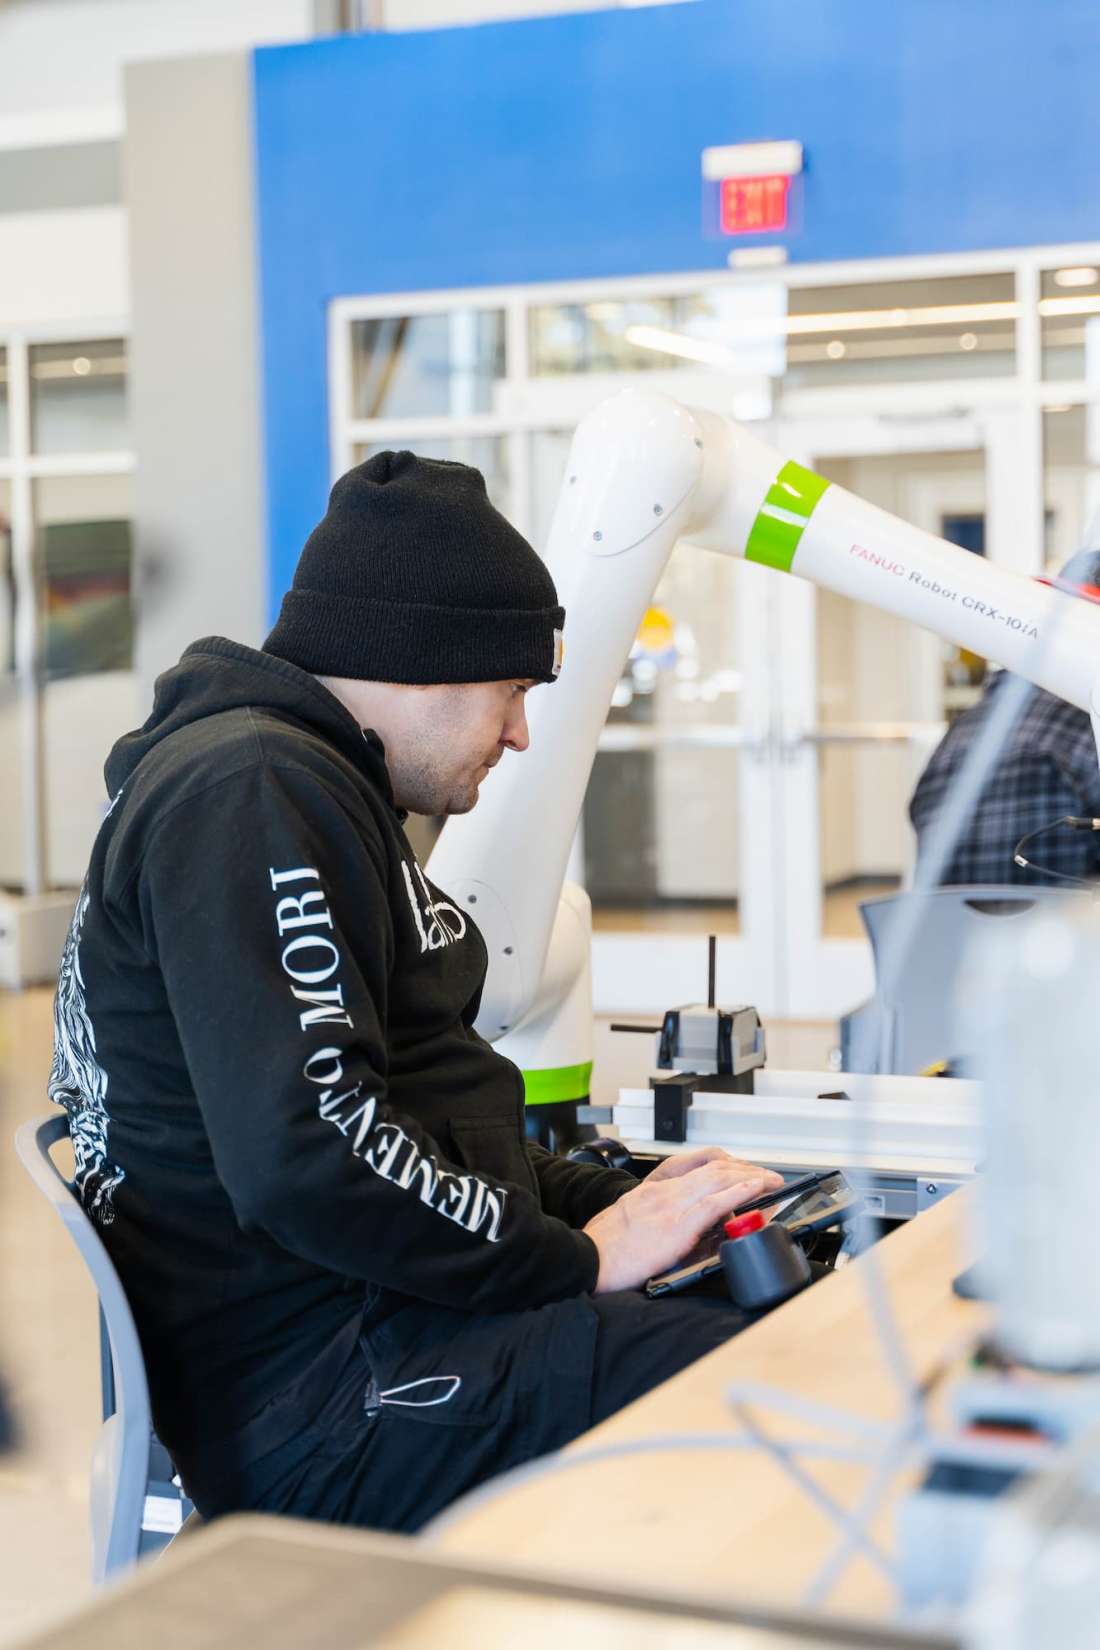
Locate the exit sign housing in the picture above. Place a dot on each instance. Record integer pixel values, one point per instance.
(747, 186)
(753, 206)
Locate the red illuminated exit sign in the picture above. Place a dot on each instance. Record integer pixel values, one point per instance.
(752, 206)
(747, 186)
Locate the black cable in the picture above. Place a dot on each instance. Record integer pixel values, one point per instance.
(1073, 822)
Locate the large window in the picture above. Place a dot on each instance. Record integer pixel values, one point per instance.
(894, 340)
(1071, 474)
(487, 453)
(1069, 305)
(78, 396)
(947, 390)
(417, 366)
(66, 620)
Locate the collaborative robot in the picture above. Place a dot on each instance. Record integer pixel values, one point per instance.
(644, 473)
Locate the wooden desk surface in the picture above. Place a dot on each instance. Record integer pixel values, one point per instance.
(731, 1518)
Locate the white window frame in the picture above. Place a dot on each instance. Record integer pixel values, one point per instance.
(1025, 389)
(529, 404)
(21, 467)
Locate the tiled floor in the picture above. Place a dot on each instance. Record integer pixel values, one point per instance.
(840, 918)
(49, 1358)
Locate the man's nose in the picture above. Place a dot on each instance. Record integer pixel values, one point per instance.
(516, 735)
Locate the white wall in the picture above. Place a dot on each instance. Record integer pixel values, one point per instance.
(82, 716)
(195, 400)
(62, 59)
(11, 810)
(81, 719)
(63, 266)
(425, 14)
(445, 14)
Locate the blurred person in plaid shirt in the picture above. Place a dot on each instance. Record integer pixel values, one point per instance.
(1049, 769)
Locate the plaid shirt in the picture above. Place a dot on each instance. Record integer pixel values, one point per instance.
(1049, 768)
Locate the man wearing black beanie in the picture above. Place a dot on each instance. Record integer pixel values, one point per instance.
(359, 1289)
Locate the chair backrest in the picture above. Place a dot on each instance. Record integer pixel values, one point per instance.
(918, 1023)
(121, 1457)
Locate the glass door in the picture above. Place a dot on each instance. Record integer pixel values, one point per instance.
(676, 835)
(754, 774)
(866, 696)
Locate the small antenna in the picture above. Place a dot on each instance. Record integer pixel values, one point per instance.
(712, 967)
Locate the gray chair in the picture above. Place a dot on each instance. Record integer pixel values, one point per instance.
(135, 1504)
(916, 1025)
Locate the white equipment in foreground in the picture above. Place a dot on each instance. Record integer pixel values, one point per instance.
(1039, 1065)
(645, 472)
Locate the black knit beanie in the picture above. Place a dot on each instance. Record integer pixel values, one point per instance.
(413, 576)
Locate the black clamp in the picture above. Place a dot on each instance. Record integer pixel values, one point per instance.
(671, 1099)
(670, 1037)
(673, 1095)
(725, 1043)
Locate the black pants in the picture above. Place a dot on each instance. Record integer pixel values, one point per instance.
(428, 1403)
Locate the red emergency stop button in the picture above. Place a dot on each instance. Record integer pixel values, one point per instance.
(742, 1225)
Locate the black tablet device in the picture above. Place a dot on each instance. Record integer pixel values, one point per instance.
(812, 1203)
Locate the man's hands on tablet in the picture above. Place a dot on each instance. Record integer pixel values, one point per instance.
(650, 1228)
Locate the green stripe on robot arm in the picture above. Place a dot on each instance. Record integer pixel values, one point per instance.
(777, 531)
(556, 1083)
(796, 489)
(773, 542)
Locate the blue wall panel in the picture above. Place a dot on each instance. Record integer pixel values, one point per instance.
(569, 147)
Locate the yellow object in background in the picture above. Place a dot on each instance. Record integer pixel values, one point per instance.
(656, 631)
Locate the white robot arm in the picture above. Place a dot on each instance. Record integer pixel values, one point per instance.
(644, 472)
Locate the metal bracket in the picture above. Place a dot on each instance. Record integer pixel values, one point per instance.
(671, 1099)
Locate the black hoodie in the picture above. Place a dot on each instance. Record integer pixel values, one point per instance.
(265, 1043)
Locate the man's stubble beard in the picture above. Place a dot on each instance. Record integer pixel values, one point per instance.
(463, 802)
(426, 782)
(420, 791)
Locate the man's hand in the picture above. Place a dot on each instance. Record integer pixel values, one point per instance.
(677, 1163)
(649, 1229)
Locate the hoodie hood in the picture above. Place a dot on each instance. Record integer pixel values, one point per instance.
(216, 675)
